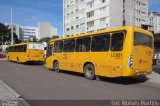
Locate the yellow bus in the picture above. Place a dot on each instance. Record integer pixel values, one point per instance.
(118, 52)
(25, 52)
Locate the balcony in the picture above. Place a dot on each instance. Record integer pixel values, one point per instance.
(82, 11)
(76, 31)
(82, 20)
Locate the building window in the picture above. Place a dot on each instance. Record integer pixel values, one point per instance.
(77, 10)
(90, 14)
(77, 1)
(82, 25)
(72, 27)
(102, 1)
(77, 18)
(102, 21)
(103, 9)
(90, 4)
(71, 2)
(90, 24)
(67, 29)
(77, 26)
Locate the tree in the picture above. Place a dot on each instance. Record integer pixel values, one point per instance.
(32, 39)
(55, 37)
(5, 32)
(47, 39)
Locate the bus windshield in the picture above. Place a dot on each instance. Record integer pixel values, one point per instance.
(35, 47)
(141, 39)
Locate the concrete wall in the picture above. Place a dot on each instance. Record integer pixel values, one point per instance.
(116, 13)
(44, 29)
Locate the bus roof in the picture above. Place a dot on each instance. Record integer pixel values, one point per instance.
(24, 43)
(103, 31)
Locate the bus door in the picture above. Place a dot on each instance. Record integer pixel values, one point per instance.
(116, 60)
(58, 55)
(49, 59)
(143, 52)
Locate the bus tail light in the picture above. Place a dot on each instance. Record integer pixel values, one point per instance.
(130, 61)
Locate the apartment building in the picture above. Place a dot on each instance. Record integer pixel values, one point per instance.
(74, 16)
(135, 12)
(154, 22)
(81, 16)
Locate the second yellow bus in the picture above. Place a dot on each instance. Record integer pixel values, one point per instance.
(25, 52)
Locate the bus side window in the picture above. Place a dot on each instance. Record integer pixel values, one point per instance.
(83, 44)
(101, 43)
(69, 45)
(58, 46)
(117, 41)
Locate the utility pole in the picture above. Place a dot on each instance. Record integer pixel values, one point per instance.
(11, 29)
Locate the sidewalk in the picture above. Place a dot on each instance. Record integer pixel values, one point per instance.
(8, 97)
(155, 76)
(3, 59)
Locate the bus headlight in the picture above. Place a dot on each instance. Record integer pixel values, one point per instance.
(130, 61)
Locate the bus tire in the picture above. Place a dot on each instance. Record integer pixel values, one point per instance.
(56, 67)
(89, 71)
(8, 58)
(18, 60)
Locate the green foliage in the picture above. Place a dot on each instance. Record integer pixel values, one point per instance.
(55, 37)
(6, 33)
(32, 39)
(47, 39)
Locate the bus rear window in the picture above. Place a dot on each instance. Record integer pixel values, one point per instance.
(141, 39)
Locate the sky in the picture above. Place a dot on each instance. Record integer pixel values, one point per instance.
(30, 12)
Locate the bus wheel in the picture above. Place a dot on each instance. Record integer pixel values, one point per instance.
(18, 60)
(89, 71)
(56, 67)
(8, 58)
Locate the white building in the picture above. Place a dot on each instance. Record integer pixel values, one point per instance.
(46, 30)
(25, 32)
(81, 16)
(154, 21)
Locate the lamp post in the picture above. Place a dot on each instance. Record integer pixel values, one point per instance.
(11, 28)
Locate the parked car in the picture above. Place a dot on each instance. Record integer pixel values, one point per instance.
(2, 55)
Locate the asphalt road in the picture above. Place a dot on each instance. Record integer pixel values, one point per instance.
(35, 82)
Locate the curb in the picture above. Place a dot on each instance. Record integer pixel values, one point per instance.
(154, 78)
(9, 97)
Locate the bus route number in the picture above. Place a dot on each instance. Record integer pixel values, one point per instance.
(116, 55)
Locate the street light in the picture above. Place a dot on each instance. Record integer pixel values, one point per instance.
(11, 28)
